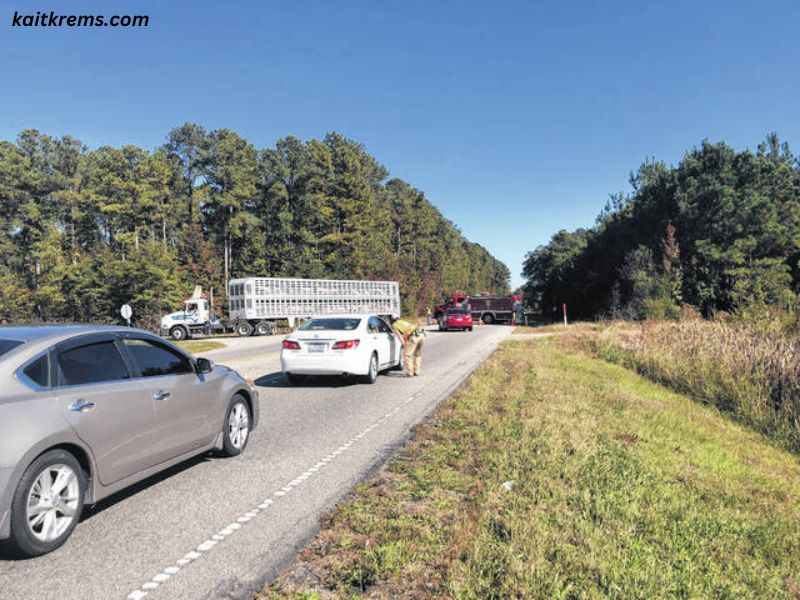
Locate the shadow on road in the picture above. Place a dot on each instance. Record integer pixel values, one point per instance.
(278, 380)
(105, 503)
(7, 553)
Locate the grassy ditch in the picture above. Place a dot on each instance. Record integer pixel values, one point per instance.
(754, 377)
(622, 488)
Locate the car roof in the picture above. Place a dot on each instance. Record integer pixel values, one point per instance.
(36, 338)
(42, 333)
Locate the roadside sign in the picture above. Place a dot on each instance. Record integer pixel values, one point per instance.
(126, 311)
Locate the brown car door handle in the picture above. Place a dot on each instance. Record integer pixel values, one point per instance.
(81, 406)
(161, 395)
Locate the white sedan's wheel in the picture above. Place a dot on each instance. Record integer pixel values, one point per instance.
(372, 373)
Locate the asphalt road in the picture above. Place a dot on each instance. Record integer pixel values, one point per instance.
(219, 528)
(238, 348)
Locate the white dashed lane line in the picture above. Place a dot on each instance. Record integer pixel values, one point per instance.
(206, 546)
(229, 530)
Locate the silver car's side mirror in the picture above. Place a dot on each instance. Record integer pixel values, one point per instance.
(204, 365)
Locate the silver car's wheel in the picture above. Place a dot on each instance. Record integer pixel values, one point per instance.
(47, 503)
(53, 501)
(237, 426)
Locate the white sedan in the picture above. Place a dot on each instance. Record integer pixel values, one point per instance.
(362, 345)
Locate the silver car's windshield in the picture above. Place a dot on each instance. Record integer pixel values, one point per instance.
(8, 345)
(331, 324)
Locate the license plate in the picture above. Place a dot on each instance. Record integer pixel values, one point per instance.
(316, 347)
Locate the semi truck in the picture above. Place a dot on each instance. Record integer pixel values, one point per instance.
(255, 304)
(489, 308)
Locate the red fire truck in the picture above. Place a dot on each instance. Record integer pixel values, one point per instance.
(488, 308)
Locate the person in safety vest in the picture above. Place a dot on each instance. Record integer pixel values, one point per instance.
(413, 339)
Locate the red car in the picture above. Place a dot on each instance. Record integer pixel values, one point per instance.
(456, 318)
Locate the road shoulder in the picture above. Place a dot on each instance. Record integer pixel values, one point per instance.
(552, 473)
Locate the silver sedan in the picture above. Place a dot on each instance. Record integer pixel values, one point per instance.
(87, 411)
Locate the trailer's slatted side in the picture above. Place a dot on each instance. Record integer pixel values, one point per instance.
(275, 298)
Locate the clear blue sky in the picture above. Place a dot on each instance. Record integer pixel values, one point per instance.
(516, 118)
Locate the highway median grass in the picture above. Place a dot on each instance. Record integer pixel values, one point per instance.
(200, 346)
(615, 487)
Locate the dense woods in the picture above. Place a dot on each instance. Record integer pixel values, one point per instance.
(719, 232)
(84, 231)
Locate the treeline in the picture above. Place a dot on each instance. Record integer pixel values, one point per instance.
(85, 231)
(719, 232)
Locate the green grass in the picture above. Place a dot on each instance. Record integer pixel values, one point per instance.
(199, 346)
(624, 489)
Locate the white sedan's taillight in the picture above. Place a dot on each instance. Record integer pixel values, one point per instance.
(290, 345)
(346, 344)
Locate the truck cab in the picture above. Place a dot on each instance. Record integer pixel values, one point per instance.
(195, 315)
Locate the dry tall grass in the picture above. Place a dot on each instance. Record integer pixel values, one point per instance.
(753, 376)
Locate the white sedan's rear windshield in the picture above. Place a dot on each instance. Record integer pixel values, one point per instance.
(8, 345)
(331, 325)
